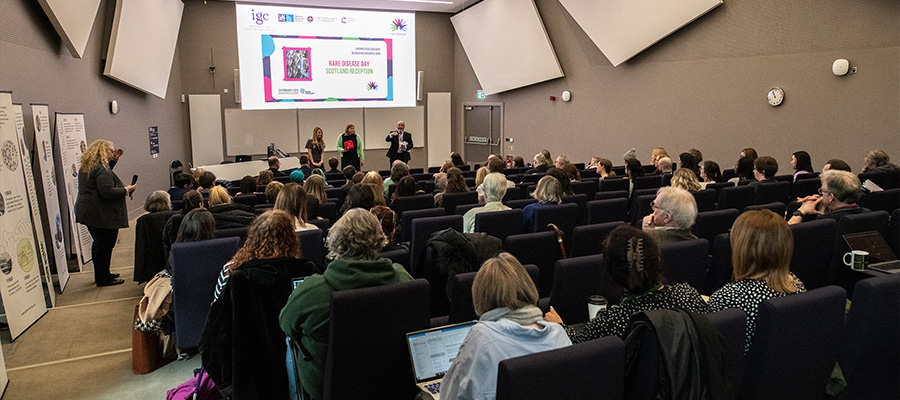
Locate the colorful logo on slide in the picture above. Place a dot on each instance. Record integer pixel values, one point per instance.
(398, 24)
(309, 18)
(372, 86)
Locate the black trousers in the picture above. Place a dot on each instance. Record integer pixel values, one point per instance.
(101, 251)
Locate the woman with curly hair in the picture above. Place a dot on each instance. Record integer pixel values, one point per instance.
(355, 240)
(455, 184)
(100, 205)
(271, 237)
(685, 179)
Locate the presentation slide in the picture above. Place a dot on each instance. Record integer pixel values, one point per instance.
(324, 58)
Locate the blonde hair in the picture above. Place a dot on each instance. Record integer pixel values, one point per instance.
(218, 195)
(272, 190)
(480, 174)
(373, 177)
(265, 177)
(96, 154)
(318, 143)
(357, 236)
(548, 189)
(658, 153)
(502, 282)
(685, 179)
(762, 246)
(315, 187)
(292, 200)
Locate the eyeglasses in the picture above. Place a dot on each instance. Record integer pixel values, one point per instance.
(822, 192)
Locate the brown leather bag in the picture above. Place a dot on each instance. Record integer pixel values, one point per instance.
(145, 349)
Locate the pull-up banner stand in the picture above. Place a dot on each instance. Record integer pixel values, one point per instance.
(43, 148)
(37, 222)
(72, 143)
(20, 277)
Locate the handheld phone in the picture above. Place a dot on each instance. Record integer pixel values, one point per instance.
(133, 181)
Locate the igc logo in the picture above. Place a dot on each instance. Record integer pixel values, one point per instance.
(259, 17)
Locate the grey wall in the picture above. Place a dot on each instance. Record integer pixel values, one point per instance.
(209, 37)
(705, 86)
(37, 68)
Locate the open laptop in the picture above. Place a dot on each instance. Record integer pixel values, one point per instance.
(881, 257)
(432, 351)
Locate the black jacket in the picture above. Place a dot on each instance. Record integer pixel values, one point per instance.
(101, 199)
(150, 254)
(453, 253)
(233, 215)
(242, 346)
(691, 357)
(393, 152)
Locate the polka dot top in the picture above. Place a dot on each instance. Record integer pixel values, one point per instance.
(746, 296)
(615, 320)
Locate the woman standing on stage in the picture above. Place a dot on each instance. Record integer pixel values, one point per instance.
(314, 148)
(351, 148)
(100, 205)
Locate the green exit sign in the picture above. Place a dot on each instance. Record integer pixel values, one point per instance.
(479, 94)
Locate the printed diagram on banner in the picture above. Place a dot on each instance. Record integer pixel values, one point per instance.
(43, 149)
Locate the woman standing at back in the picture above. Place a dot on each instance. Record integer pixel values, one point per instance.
(100, 206)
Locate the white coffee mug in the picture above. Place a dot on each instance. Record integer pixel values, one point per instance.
(595, 304)
(858, 259)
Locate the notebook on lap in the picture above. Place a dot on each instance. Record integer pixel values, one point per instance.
(432, 351)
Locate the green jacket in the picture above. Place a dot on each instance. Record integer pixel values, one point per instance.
(305, 317)
(360, 148)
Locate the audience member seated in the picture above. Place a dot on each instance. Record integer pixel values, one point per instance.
(674, 212)
(878, 160)
(541, 165)
(183, 183)
(743, 170)
(275, 166)
(388, 220)
(453, 183)
(658, 154)
(510, 325)
(605, 169)
(349, 178)
(837, 164)
(595, 162)
(801, 163)
(518, 162)
(399, 169)
(632, 259)
(761, 245)
(561, 160)
(764, 169)
(304, 165)
(207, 181)
(297, 176)
(356, 239)
(405, 187)
(698, 156)
(191, 200)
(457, 159)
(837, 197)
(572, 172)
(440, 177)
(494, 165)
(271, 239)
(361, 196)
(494, 188)
(548, 192)
(480, 174)
(228, 214)
(564, 182)
(247, 185)
(315, 191)
(685, 179)
(265, 176)
(293, 201)
(749, 153)
(198, 224)
(149, 251)
(333, 163)
(663, 166)
(686, 160)
(633, 169)
(272, 190)
(710, 173)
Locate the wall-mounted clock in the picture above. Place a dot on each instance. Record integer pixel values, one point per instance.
(776, 96)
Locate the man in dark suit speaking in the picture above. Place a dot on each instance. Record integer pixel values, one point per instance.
(401, 143)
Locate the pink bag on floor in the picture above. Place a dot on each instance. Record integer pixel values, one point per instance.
(200, 387)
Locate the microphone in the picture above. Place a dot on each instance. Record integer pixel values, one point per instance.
(133, 181)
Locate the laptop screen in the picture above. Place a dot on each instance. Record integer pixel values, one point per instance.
(433, 350)
(871, 241)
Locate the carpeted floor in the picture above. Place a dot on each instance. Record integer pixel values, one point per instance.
(82, 348)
